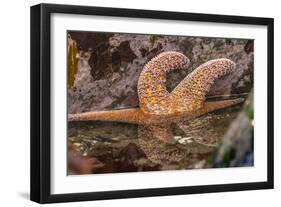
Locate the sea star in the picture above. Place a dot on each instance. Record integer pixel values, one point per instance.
(159, 108)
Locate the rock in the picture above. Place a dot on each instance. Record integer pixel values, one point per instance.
(78, 164)
(109, 78)
(237, 145)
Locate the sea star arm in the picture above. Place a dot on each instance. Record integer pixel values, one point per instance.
(122, 115)
(216, 105)
(153, 95)
(190, 94)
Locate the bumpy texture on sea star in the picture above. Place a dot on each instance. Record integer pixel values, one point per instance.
(153, 95)
(159, 108)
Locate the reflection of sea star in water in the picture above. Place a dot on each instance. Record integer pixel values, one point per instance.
(159, 108)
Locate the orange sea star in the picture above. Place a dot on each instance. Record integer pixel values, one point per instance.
(159, 108)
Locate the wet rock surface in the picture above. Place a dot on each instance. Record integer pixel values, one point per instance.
(108, 80)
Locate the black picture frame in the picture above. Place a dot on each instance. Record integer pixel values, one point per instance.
(41, 96)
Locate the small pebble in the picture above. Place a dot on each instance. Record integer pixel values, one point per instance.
(177, 137)
(185, 140)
